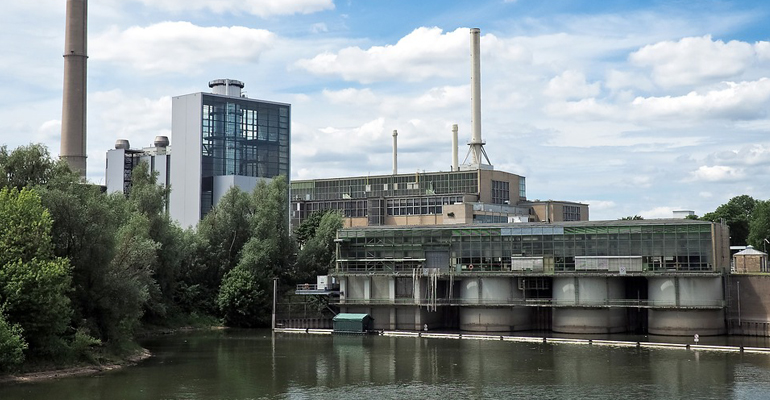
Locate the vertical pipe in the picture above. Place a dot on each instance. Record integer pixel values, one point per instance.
(455, 162)
(476, 94)
(275, 297)
(73, 127)
(395, 152)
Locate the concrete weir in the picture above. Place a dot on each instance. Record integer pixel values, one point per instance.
(587, 294)
(490, 291)
(687, 294)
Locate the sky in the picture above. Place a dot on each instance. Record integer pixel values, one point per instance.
(634, 107)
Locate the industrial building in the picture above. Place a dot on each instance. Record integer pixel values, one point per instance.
(657, 276)
(220, 140)
(472, 192)
(429, 198)
(122, 160)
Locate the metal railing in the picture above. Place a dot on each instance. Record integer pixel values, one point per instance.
(544, 302)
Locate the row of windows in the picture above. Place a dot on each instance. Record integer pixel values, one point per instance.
(571, 213)
(383, 186)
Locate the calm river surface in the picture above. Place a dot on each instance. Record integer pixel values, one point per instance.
(257, 365)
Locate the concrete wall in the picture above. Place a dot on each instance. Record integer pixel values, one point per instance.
(748, 305)
(185, 199)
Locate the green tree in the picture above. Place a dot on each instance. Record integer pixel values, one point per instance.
(243, 299)
(29, 166)
(127, 283)
(33, 282)
(759, 226)
(149, 199)
(316, 257)
(12, 345)
(268, 254)
(736, 213)
(632, 218)
(223, 232)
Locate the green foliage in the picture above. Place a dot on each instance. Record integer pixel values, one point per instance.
(632, 218)
(29, 166)
(33, 283)
(12, 345)
(759, 226)
(127, 284)
(306, 230)
(736, 213)
(692, 216)
(243, 299)
(317, 255)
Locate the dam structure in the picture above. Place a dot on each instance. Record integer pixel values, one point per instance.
(662, 277)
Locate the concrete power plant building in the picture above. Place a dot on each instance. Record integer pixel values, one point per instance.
(659, 276)
(472, 192)
(218, 140)
(73, 126)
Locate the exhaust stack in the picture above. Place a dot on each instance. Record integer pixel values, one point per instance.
(455, 163)
(73, 124)
(395, 152)
(476, 150)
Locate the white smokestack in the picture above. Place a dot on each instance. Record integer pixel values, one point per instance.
(476, 92)
(476, 150)
(395, 152)
(455, 162)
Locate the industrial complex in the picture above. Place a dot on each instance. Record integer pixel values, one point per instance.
(463, 249)
(220, 139)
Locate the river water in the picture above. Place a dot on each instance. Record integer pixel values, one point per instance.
(233, 364)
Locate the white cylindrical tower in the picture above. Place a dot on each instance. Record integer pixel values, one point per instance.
(395, 152)
(455, 162)
(73, 124)
(476, 141)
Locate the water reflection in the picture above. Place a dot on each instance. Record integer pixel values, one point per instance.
(257, 364)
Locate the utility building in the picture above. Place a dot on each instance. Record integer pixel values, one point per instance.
(220, 140)
(659, 276)
(224, 139)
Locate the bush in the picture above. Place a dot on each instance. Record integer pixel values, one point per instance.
(240, 299)
(12, 345)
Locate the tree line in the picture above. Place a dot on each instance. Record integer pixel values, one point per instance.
(82, 270)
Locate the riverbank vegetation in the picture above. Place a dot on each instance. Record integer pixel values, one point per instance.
(82, 272)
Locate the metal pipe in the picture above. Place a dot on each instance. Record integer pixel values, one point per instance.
(275, 297)
(73, 127)
(395, 152)
(455, 162)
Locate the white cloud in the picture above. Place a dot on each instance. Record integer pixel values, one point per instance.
(319, 27)
(261, 8)
(423, 53)
(350, 96)
(659, 212)
(717, 173)
(744, 100)
(693, 60)
(571, 85)
(179, 47)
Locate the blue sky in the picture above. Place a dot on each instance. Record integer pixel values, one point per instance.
(635, 107)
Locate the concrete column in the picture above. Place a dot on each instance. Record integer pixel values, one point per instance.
(73, 127)
(343, 288)
(392, 289)
(368, 288)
